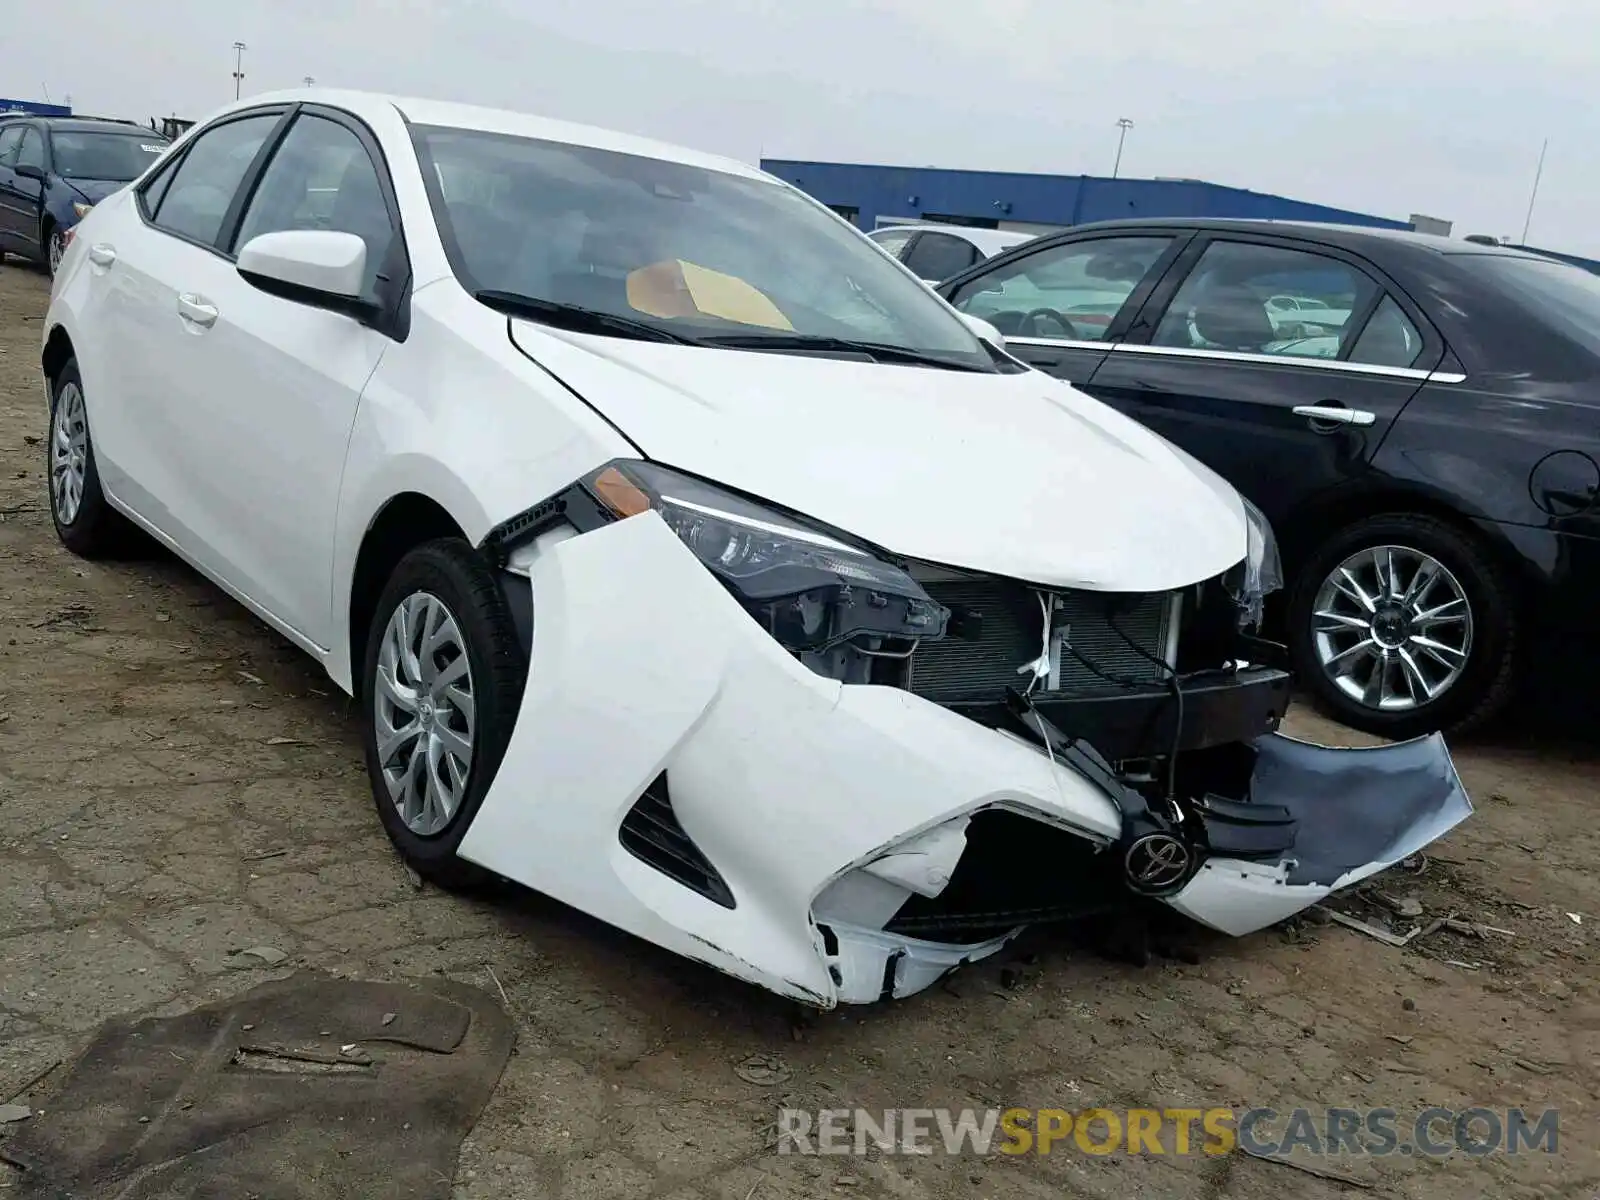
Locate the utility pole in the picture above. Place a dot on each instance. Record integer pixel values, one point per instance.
(308, 80)
(238, 68)
(1123, 125)
(1538, 171)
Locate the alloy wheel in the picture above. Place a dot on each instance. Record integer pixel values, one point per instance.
(424, 710)
(57, 251)
(69, 453)
(1392, 628)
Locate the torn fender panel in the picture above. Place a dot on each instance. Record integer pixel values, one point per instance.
(642, 663)
(1357, 811)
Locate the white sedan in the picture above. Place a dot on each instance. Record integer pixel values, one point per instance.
(690, 560)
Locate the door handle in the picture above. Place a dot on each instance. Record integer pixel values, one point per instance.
(102, 255)
(1336, 414)
(193, 309)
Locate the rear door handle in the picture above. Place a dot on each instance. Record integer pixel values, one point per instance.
(1331, 414)
(195, 310)
(102, 255)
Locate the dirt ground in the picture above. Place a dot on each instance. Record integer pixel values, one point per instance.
(177, 783)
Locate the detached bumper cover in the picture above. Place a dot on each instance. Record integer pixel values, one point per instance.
(821, 807)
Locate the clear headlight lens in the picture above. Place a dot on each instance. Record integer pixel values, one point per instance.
(809, 588)
(1259, 574)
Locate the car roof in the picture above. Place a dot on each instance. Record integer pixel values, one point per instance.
(1352, 237)
(420, 111)
(86, 124)
(990, 241)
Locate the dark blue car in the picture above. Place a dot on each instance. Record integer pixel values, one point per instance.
(54, 169)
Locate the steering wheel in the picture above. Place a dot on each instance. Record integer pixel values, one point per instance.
(1027, 328)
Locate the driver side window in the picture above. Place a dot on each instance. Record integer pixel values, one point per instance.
(1063, 293)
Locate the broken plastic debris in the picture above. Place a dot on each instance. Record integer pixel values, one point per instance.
(1575, 918)
(388, 1018)
(14, 1112)
(270, 955)
(763, 1069)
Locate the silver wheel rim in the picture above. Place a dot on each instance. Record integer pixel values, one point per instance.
(69, 453)
(423, 707)
(57, 252)
(1392, 628)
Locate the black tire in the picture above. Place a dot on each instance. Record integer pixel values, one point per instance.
(96, 530)
(1487, 681)
(451, 571)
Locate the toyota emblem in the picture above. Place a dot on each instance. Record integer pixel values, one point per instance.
(1156, 863)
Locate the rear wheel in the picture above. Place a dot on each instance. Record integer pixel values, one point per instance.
(442, 682)
(85, 522)
(1402, 624)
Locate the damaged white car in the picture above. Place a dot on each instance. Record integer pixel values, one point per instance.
(691, 562)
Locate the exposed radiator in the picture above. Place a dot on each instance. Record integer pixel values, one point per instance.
(1010, 635)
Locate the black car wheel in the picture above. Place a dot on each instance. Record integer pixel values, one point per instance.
(441, 684)
(85, 522)
(1401, 625)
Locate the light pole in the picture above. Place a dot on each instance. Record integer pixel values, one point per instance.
(238, 68)
(1538, 171)
(309, 81)
(1123, 125)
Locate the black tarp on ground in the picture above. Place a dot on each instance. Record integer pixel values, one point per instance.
(257, 1097)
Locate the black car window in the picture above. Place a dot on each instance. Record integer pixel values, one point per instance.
(321, 177)
(195, 202)
(31, 152)
(10, 140)
(895, 240)
(1238, 298)
(1389, 338)
(940, 255)
(112, 157)
(1070, 292)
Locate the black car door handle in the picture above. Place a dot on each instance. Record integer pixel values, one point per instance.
(1336, 414)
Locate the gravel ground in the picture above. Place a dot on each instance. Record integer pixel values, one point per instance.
(176, 783)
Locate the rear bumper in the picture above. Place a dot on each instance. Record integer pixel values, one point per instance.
(664, 738)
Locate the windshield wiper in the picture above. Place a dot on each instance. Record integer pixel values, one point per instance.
(575, 317)
(834, 345)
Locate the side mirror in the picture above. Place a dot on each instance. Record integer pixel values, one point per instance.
(984, 330)
(320, 267)
(30, 171)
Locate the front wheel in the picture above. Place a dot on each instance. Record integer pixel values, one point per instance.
(1402, 624)
(55, 249)
(442, 682)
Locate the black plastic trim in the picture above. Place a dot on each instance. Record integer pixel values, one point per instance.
(652, 834)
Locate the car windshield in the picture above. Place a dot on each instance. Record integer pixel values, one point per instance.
(114, 157)
(1565, 295)
(697, 252)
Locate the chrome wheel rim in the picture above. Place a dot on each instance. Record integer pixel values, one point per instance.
(69, 453)
(57, 251)
(424, 713)
(1392, 628)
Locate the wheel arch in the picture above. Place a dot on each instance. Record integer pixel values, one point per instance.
(405, 521)
(57, 353)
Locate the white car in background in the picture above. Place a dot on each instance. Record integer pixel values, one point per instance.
(936, 252)
(690, 561)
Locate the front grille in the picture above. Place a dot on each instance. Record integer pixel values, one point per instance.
(651, 833)
(1010, 634)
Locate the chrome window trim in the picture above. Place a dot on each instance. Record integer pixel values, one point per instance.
(1275, 360)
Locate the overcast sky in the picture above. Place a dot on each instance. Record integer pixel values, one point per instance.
(1432, 106)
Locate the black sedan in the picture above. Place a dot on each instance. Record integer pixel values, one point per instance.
(1418, 417)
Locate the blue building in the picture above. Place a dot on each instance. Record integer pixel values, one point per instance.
(34, 108)
(875, 195)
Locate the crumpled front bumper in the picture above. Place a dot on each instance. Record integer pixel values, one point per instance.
(663, 734)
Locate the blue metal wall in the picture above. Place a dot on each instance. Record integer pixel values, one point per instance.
(35, 107)
(876, 191)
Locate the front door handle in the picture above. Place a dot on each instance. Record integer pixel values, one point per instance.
(196, 311)
(102, 255)
(1335, 414)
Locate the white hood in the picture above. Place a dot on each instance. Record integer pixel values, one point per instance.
(1017, 475)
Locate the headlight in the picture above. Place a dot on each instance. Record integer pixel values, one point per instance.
(81, 209)
(809, 588)
(1261, 572)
